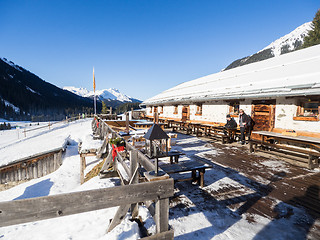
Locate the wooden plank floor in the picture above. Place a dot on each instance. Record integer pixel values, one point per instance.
(267, 186)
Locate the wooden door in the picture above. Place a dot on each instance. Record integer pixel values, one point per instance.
(185, 114)
(263, 113)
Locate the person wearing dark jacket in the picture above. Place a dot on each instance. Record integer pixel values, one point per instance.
(243, 122)
(231, 124)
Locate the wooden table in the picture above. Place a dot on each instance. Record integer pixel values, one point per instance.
(174, 155)
(308, 146)
(192, 166)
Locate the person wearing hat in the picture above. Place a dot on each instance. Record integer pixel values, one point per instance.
(230, 125)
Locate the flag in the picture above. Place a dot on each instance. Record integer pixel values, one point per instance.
(94, 82)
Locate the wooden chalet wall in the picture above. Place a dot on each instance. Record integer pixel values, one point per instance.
(282, 116)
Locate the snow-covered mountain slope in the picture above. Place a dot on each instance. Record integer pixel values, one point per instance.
(105, 94)
(83, 92)
(24, 95)
(290, 41)
(285, 44)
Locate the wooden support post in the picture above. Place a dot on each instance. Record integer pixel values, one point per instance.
(313, 162)
(162, 215)
(134, 179)
(194, 175)
(250, 146)
(223, 139)
(127, 122)
(82, 167)
(201, 177)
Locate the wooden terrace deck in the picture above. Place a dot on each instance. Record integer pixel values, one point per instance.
(264, 185)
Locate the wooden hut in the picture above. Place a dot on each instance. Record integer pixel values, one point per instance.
(279, 93)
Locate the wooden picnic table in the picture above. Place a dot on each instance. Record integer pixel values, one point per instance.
(199, 128)
(146, 124)
(192, 166)
(308, 146)
(174, 155)
(302, 139)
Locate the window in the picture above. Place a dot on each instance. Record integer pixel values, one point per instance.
(150, 110)
(175, 110)
(199, 109)
(308, 111)
(160, 109)
(234, 108)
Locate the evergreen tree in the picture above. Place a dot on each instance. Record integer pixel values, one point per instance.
(313, 37)
(104, 109)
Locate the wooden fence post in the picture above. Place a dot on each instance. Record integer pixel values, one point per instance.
(82, 167)
(133, 167)
(162, 215)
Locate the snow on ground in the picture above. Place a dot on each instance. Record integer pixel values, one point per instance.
(195, 213)
(16, 134)
(275, 165)
(37, 141)
(91, 225)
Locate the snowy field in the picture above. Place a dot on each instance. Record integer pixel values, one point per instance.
(194, 213)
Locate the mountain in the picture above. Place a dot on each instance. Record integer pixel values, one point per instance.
(110, 94)
(23, 95)
(285, 44)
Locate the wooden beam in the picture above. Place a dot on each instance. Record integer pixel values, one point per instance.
(167, 235)
(35, 209)
(103, 147)
(124, 165)
(108, 161)
(120, 214)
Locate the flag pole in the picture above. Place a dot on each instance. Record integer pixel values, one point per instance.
(94, 92)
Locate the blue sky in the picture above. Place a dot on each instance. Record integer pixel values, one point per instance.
(140, 47)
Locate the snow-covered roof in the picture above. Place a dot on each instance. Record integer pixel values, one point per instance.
(291, 74)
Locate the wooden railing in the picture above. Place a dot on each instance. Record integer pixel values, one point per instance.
(35, 209)
(154, 194)
(138, 162)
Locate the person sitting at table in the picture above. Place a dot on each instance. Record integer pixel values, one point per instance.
(230, 125)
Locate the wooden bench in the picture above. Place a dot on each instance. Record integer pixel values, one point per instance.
(192, 166)
(305, 151)
(216, 132)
